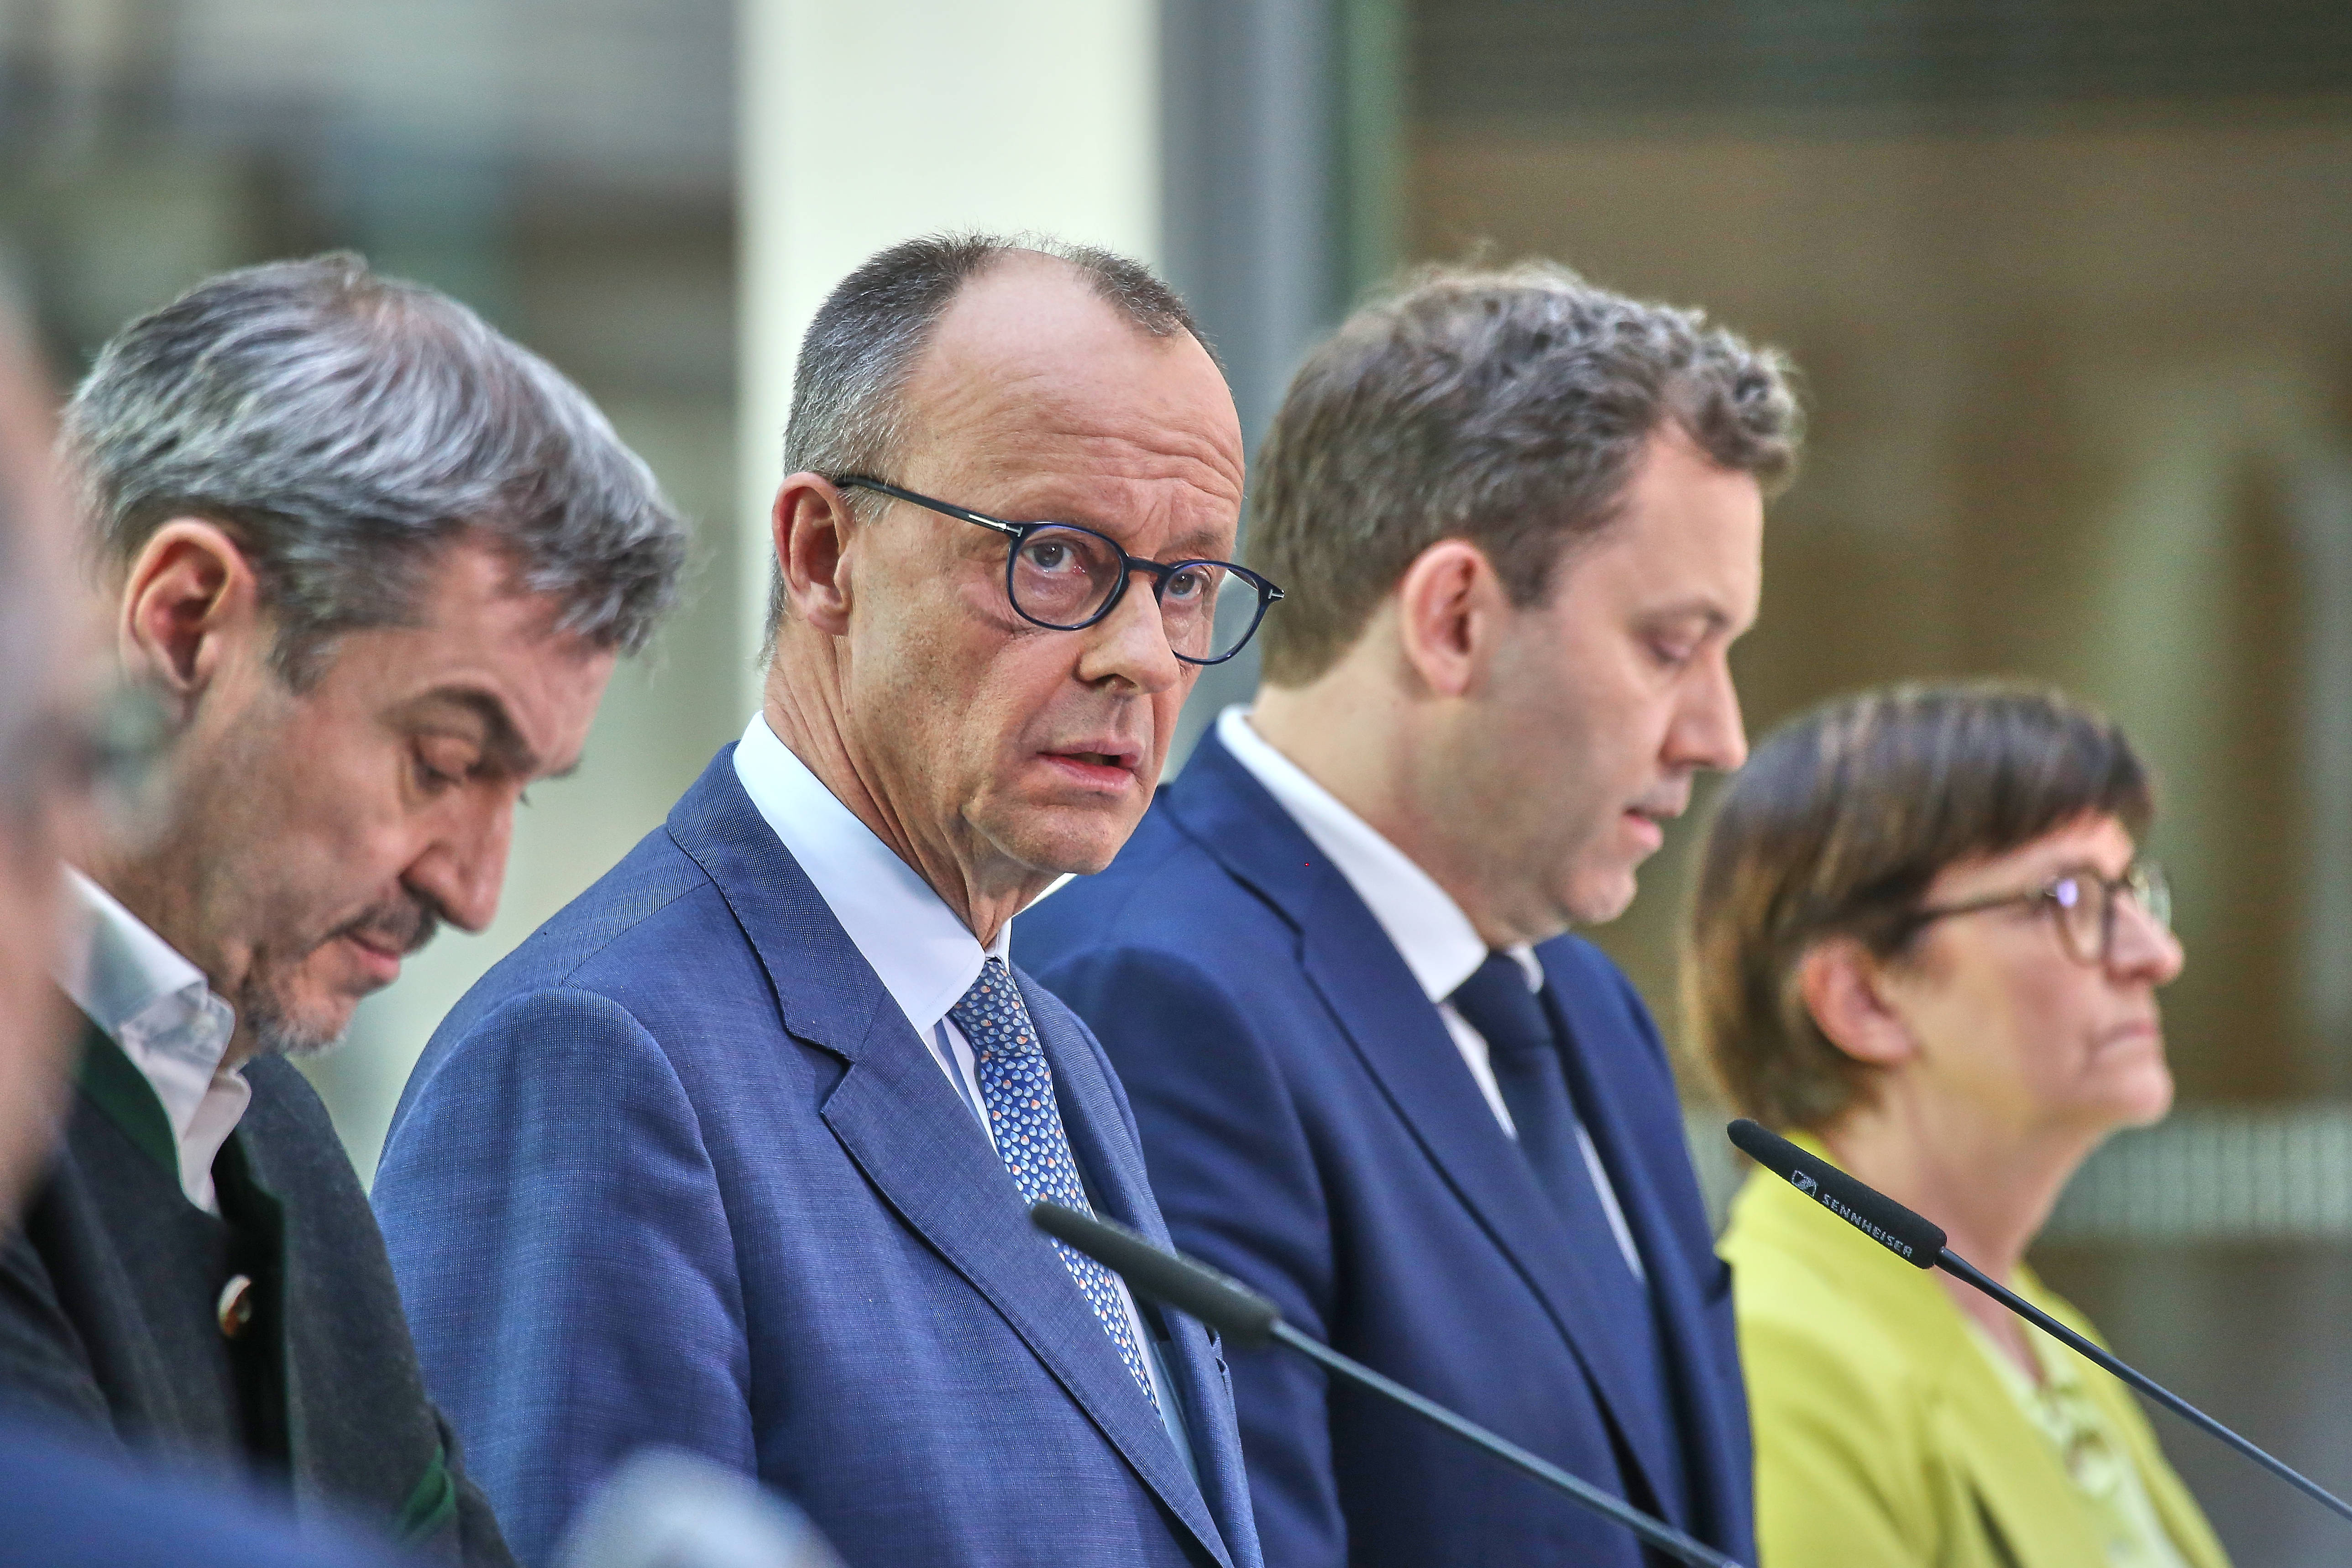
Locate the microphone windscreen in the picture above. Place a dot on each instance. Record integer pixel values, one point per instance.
(665, 1508)
(1224, 1303)
(1907, 1234)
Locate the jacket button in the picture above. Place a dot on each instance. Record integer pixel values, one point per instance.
(235, 1308)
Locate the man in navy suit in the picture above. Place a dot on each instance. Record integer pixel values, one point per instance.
(736, 1153)
(1520, 519)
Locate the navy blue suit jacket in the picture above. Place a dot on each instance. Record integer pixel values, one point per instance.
(678, 1170)
(1311, 1130)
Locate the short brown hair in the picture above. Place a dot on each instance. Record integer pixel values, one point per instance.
(1835, 828)
(1506, 407)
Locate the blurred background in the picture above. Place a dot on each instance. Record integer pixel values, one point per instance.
(2071, 284)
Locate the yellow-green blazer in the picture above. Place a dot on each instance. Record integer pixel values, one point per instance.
(1883, 1435)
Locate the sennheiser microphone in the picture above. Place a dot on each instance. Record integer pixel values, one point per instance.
(1911, 1237)
(1249, 1320)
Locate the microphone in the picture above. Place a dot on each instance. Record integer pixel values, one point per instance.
(1251, 1320)
(665, 1508)
(1913, 1238)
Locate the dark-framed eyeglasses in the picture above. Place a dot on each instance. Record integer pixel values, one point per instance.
(1065, 578)
(2082, 904)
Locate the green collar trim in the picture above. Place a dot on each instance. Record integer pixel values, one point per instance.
(123, 1093)
(431, 1506)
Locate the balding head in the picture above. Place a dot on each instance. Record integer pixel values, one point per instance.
(992, 752)
(866, 340)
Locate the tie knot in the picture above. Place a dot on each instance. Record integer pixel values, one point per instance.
(993, 1018)
(1497, 1003)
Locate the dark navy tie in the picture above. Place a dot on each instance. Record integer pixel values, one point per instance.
(1017, 1086)
(1497, 1002)
(1524, 1054)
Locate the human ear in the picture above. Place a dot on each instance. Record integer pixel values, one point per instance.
(810, 527)
(1450, 602)
(1845, 991)
(189, 599)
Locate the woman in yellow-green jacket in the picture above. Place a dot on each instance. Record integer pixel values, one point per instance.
(1924, 946)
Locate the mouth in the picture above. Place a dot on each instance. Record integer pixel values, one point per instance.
(1101, 765)
(1647, 826)
(387, 935)
(378, 964)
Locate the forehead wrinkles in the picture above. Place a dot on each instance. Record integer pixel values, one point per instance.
(1043, 423)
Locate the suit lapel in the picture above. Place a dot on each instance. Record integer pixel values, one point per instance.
(1599, 1080)
(1405, 1045)
(913, 1136)
(122, 1091)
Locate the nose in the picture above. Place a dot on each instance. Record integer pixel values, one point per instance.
(464, 866)
(2142, 950)
(1129, 645)
(1708, 730)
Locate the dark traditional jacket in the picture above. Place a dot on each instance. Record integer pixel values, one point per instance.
(269, 1335)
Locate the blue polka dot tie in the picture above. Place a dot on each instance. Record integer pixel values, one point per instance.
(1017, 1088)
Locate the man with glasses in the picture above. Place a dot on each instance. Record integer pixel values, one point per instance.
(736, 1153)
(1519, 518)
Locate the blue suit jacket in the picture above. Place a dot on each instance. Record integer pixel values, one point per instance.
(678, 1170)
(1311, 1130)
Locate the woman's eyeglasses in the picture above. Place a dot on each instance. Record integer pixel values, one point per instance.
(2082, 903)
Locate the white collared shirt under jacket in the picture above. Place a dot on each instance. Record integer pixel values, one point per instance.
(160, 1009)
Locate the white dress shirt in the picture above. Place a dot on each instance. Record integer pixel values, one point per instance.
(920, 950)
(158, 1009)
(1431, 933)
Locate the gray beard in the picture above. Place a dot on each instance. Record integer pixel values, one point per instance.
(274, 1034)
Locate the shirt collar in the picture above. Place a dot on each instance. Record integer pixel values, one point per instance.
(1431, 933)
(119, 968)
(924, 954)
(161, 1010)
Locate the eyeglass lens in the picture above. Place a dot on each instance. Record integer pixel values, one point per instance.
(2086, 908)
(1064, 576)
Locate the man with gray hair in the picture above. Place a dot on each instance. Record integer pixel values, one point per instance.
(736, 1153)
(374, 564)
(1520, 519)
(64, 1503)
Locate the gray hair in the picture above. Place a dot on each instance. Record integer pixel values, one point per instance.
(849, 414)
(1505, 406)
(344, 428)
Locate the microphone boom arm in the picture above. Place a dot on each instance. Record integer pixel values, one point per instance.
(1249, 1320)
(1959, 1267)
(1920, 1243)
(1672, 1542)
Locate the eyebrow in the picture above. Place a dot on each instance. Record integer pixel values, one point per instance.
(1197, 547)
(1703, 609)
(500, 737)
(1200, 544)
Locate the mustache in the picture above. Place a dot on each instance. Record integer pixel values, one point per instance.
(399, 925)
